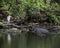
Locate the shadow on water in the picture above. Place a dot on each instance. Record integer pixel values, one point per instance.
(43, 42)
(1, 41)
(30, 40)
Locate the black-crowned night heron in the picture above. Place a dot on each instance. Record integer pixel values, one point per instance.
(8, 18)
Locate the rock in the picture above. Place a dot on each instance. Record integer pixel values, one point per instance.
(14, 29)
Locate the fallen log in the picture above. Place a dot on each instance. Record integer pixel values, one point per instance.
(15, 26)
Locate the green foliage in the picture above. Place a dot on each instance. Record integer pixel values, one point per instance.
(18, 7)
(55, 18)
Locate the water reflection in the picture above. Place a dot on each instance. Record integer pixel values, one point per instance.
(30, 40)
(9, 38)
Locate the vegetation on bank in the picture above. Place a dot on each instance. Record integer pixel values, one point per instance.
(27, 11)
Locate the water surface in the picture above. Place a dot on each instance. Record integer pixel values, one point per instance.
(29, 40)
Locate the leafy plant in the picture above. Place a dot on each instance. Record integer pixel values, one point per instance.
(18, 7)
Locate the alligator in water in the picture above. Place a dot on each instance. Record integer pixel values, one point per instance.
(41, 31)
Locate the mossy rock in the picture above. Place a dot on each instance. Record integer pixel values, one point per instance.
(1, 23)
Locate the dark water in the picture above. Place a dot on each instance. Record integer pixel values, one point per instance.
(30, 41)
